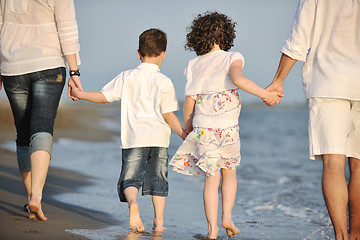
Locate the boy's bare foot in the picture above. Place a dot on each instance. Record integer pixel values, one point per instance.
(134, 218)
(35, 208)
(159, 228)
(158, 225)
(231, 229)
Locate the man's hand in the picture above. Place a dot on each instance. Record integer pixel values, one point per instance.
(277, 88)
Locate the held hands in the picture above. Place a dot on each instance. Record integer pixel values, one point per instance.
(74, 91)
(74, 82)
(273, 98)
(278, 89)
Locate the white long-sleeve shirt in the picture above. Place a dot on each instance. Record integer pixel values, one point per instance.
(36, 34)
(326, 36)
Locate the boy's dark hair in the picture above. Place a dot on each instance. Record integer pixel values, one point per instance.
(209, 29)
(152, 43)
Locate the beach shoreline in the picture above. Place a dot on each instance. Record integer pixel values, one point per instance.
(75, 121)
(278, 193)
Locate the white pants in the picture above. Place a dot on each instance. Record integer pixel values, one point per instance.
(334, 127)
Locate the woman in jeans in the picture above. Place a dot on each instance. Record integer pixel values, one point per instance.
(35, 35)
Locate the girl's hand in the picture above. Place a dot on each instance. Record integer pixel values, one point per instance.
(274, 87)
(273, 98)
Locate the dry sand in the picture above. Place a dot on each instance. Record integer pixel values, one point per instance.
(77, 121)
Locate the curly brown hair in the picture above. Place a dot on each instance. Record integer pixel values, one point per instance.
(209, 29)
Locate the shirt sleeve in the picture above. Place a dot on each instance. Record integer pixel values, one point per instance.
(67, 26)
(113, 90)
(168, 99)
(1, 24)
(298, 43)
(1, 16)
(236, 56)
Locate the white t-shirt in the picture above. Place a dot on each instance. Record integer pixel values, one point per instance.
(145, 95)
(326, 36)
(210, 72)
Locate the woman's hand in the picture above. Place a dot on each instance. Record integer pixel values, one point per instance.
(74, 81)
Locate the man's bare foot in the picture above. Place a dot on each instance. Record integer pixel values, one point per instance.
(35, 208)
(134, 218)
(231, 229)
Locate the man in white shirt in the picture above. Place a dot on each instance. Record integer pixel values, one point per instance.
(147, 104)
(326, 36)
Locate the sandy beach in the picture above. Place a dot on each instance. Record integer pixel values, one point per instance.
(73, 121)
(278, 195)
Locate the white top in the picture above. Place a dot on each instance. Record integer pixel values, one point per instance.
(326, 36)
(35, 34)
(210, 72)
(145, 95)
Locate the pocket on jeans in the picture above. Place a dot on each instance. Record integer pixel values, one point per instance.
(10, 83)
(18, 7)
(56, 75)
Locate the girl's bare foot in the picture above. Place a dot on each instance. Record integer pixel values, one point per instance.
(231, 229)
(213, 232)
(35, 208)
(134, 218)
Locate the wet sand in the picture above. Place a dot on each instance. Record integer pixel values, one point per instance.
(77, 121)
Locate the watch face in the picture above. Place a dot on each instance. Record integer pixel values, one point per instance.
(75, 72)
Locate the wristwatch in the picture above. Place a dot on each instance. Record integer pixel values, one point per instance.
(75, 72)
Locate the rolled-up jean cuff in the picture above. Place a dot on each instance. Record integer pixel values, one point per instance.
(41, 141)
(23, 158)
(124, 185)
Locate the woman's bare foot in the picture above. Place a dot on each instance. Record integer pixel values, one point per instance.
(134, 218)
(35, 208)
(231, 229)
(31, 214)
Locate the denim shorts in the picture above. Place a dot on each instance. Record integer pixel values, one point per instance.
(34, 100)
(145, 167)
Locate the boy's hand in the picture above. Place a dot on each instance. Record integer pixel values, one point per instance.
(74, 91)
(74, 81)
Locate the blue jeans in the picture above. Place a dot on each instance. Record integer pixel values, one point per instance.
(145, 167)
(34, 100)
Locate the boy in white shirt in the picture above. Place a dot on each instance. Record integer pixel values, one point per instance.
(147, 103)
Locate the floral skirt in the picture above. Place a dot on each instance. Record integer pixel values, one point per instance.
(207, 150)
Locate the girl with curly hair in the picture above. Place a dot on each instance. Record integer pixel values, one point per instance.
(211, 112)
